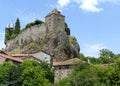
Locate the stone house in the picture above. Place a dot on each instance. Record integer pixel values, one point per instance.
(6, 58)
(63, 69)
(24, 56)
(43, 56)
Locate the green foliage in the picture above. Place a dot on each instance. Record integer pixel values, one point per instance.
(33, 74)
(67, 30)
(12, 34)
(16, 31)
(10, 75)
(70, 39)
(85, 74)
(49, 73)
(8, 35)
(17, 27)
(4, 68)
(82, 57)
(114, 75)
(29, 25)
(63, 82)
(36, 22)
(32, 43)
(106, 56)
(94, 60)
(29, 73)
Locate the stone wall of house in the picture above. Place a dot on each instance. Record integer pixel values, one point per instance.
(61, 72)
(2, 59)
(42, 56)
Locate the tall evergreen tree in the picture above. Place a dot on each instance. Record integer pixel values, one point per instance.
(17, 26)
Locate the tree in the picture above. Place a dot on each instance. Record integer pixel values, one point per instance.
(4, 68)
(49, 73)
(82, 57)
(14, 77)
(94, 60)
(84, 75)
(10, 75)
(17, 26)
(106, 52)
(33, 74)
(114, 75)
(106, 56)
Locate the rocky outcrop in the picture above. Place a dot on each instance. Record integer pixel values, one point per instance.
(56, 41)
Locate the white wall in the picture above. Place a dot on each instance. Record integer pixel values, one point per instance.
(42, 56)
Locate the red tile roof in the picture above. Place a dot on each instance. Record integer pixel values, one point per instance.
(24, 55)
(2, 52)
(11, 58)
(67, 62)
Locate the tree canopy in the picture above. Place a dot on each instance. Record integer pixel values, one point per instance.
(29, 73)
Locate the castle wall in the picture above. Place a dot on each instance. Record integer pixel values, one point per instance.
(34, 33)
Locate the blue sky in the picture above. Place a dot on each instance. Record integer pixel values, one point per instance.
(95, 23)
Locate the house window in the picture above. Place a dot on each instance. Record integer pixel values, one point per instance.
(60, 68)
(67, 67)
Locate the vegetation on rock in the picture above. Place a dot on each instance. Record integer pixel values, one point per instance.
(67, 30)
(36, 22)
(16, 30)
(70, 39)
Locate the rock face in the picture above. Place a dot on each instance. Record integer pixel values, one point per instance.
(52, 36)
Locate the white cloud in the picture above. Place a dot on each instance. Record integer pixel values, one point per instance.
(90, 5)
(63, 3)
(87, 5)
(92, 49)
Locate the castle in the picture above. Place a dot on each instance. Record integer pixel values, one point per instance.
(53, 20)
(9, 28)
(49, 40)
(51, 36)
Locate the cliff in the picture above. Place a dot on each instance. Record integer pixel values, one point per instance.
(51, 36)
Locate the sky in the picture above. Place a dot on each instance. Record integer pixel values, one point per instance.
(95, 23)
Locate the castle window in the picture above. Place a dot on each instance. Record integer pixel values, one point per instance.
(59, 19)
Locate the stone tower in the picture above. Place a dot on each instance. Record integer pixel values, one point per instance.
(55, 20)
(8, 29)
